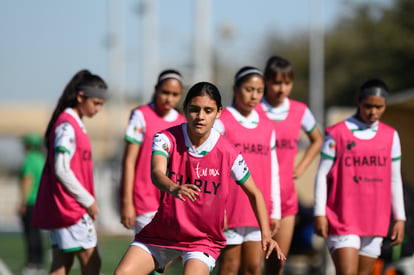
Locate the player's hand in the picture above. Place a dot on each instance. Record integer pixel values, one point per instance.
(187, 190)
(93, 210)
(268, 245)
(397, 235)
(321, 226)
(274, 226)
(128, 215)
(21, 211)
(298, 172)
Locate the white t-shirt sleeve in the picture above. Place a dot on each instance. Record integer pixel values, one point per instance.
(326, 162)
(276, 211)
(396, 147)
(219, 126)
(239, 171)
(68, 179)
(136, 127)
(65, 148)
(161, 145)
(65, 140)
(397, 196)
(308, 121)
(321, 189)
(328, 149)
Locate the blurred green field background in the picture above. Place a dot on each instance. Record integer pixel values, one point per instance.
(12, 253)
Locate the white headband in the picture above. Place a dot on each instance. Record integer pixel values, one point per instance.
(170, 75)
(375, 91)
(247, 72)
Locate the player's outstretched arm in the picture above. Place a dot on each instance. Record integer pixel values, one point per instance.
(259, 207)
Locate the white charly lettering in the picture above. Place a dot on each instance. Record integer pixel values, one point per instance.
(203, 172)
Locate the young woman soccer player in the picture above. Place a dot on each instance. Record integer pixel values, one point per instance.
(358, 181)
(256, 140)
(139, 197)
(193, 166)
(290, 117)
(66, 203)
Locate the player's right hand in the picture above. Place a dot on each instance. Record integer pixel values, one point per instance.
(274, 226)
(321, 226)
(128, 215)
(93, 210)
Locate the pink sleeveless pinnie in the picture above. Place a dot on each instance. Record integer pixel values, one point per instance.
(254, 145)
(198, 225)
(287, 137)
(55, 207)
(146, 195)
(359, 183)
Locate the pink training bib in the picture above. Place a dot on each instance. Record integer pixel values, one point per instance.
(198, 225)
(254, 145)
(55, 207)
(359, 183)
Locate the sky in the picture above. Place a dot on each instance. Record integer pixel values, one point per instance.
(44, 43)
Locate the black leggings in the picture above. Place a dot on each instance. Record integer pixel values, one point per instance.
(33, 238)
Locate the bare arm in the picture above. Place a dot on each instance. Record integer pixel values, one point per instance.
(316, 140)
(127, 184)
(259, 208)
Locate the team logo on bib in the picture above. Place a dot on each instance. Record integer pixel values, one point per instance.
(206, 171)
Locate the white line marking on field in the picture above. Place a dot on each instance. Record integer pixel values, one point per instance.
(3, 269)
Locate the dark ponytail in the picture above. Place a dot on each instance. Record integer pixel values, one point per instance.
(68, 99)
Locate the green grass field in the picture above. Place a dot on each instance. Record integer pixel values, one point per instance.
(111, 249)
(13, 256)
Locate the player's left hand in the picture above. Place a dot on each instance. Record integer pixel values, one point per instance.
(397, 235)
(269, 245)
(298, 172)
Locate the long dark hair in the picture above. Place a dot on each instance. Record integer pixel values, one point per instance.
(68, 99)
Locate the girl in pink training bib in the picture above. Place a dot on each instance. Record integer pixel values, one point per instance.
(255, 137)
(193, 166)
(358, 183)
(290, 117)
(139, 197)
(66, 203)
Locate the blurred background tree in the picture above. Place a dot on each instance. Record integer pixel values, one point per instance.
(373, 42)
